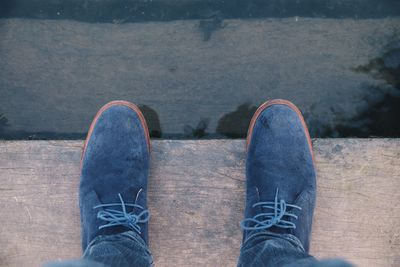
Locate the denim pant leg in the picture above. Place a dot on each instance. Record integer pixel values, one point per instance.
(270, 249)
(122, 250)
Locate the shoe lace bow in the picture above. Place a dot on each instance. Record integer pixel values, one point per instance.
(120, 217)
(277, 215)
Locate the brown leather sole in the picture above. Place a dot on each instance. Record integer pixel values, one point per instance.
(278, 102)
(117, 103)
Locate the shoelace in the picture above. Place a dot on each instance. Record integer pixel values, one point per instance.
(115, 217)
(266, 220)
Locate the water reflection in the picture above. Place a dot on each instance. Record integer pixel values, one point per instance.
(381, 117)
(211, 24)
(386, 67)
(3, 123)
(203, 77)
(153, 122)
(235, 124)
(199, 131)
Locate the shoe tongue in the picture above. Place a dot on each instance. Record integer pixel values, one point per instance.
(132, 196)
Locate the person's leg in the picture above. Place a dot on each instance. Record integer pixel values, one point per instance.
(113, 189)
(280, 190)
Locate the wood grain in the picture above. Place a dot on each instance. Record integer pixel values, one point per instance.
(196, 194)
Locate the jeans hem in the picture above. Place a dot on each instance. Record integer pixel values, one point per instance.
(128, 234)
(270, 235)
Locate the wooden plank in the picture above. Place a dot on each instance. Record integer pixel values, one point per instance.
(196, 194)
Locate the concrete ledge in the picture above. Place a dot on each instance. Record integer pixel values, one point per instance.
(196, 195)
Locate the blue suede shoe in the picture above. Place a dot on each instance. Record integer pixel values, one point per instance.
(280, 173)
(114, 170)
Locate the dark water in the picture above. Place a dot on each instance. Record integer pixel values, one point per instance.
(164, 10)
(199, 69)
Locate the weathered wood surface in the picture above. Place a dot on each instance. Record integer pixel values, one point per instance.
(196, 195)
